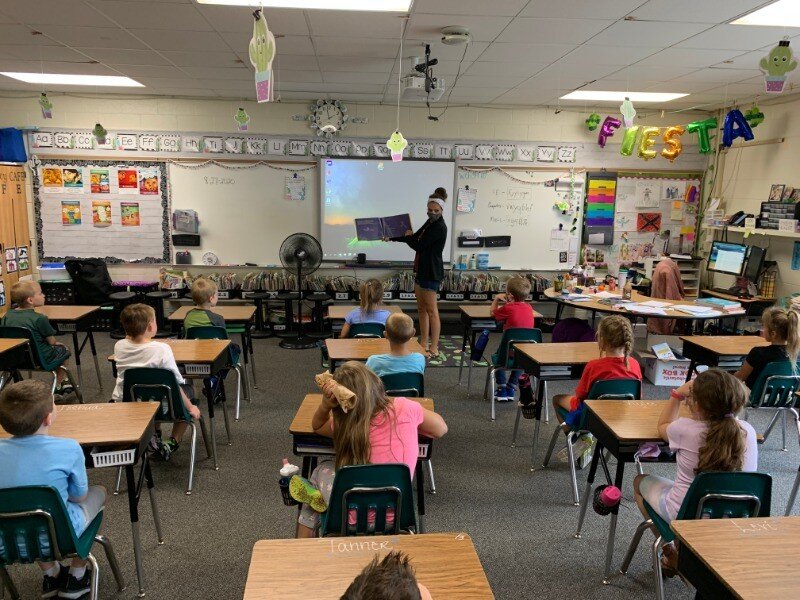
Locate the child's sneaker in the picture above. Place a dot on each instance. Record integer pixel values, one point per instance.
(168, 448)
(510, 393)
(76, 588)
(52, 585)
(302, 491)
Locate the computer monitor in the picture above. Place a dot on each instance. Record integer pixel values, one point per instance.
(727, 258)
(755, 262)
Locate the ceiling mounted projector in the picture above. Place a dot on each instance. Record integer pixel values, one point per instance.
(455, 35)
(414, 89)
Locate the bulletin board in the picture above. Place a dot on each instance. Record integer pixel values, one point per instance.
(539, 209)
(104, 209)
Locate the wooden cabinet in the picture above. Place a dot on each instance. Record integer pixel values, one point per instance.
(14, 229)
(690, 273)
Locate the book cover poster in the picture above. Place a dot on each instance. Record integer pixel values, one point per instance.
(53, 179)
(130, 214)
(99, 181)
(128, 181)
(148, 182)
(101, 213)
(368, 230)
(70, 212)
(73, 180)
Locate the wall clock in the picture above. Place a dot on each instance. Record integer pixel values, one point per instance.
(328, 117)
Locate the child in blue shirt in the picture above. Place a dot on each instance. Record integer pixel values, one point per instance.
(32, 457)
(399, 331)
(370, 311)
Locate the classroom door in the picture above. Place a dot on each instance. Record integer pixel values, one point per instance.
(14, 230)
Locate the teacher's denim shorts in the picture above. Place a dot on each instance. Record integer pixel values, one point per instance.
(428, 284)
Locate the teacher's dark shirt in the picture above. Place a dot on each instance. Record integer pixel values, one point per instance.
(428, 241)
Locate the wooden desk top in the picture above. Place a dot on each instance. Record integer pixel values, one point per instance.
(301, 424)
(572, 353)
(194, 351)
(595, 305)
(234, 314)
(65, 313)
(733, 345)
(362, 348)
(102, 424)
(632, 420)
(446, 563)
(764, 563)
(7, 344)
(484, 311)
(339, 311)
(716, 294)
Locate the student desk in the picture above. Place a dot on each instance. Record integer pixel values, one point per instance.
(446, 563)
(311, 446)
(740, 558)
(344, 349)
(337, 313)
(12, 346)
(74, 319)
(725, 351)
(551, 362)
(476, 318)
(620, 426)
(240, 316)
(115, 426)
(200, 359)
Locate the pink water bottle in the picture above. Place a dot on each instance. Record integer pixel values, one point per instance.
(606, 499)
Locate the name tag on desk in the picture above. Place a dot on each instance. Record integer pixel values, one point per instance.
(192, 369)
(66, 327)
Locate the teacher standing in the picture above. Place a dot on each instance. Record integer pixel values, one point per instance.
(429, 242)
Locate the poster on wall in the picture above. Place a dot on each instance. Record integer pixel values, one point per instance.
(53, 180)
(101, 213)
(148, 182)
(73, 181)
(70, 212)
(129, 212)
(648, 193)
(99, 181)
(128, 181)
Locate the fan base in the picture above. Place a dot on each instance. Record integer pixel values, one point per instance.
(298, 343)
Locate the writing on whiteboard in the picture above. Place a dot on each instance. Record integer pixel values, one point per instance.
(219, 180)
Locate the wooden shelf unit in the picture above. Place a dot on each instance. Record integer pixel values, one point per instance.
(691, 269)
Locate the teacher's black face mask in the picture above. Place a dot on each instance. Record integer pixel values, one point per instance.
(434, 216)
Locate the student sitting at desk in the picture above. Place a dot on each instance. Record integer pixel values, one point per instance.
(515, 313)
(205, 296)
(782, 330)
(32, 457)
(138, 350)
(376, 429)
(399, 331)
(370, 295)
(712, 439)
(390, 579)
(26, 296)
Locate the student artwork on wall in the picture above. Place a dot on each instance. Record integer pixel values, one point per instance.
(648, 222)
(120, 215)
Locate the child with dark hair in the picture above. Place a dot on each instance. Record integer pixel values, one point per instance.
(390, 579)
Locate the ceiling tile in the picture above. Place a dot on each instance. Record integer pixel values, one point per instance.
(13, 34)
(202, 59)
(190, 92)
(358, 77)
(416, 47)
(585, 71)
(585, 9)
(680, 85)
(154, 15)
(686, 57)
(94, 37)
(346, 23)
(500, 8)
(56, 53)
(197, 41)
(636, 72)
(239, 19)
(474, 95)
(358, 63)
(730, 91)
(295, 62)
(490, 81)
(137, 71)
(282, 75)
(748, 60)
(446, 67)
(351, 97)
(522, 53)
(336, 46)
(552, 31)
(737, 37)
(333, 88)
(218, 73)
(125, 57)
(718, 76)
(35, 66)
(552, 81)
(611, 55)
(646, 34)
(482, 29)
(527, 97)
(52, 12)
(708, 11)
(481, 68)
(169, 82)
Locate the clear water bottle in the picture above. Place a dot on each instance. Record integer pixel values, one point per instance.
(3, 554)
(22, 546)
(44, 544)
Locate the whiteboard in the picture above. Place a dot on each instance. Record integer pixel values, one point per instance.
(243, 210)
(521, 203)
(355, 188)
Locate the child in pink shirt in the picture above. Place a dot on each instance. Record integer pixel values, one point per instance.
(514, 313)
(377, 429)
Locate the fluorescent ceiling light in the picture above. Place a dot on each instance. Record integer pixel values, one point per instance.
(399, 6)
(620, 96)
(783, 13)
(60, 79)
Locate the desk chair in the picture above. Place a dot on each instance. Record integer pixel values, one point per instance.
(211, 332)
(367, 330)
(504, 360)
(38, 515)
(358, 490)
(247, 350)
(775, 389)
(410, 385)
(605, 389)
(160, 385)
(32, 360)
(713, 495)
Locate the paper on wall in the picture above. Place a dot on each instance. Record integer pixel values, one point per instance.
(295, 188)
(676, 212)
(596, 238)
(559, 240)
(466, 199)
(648, 193)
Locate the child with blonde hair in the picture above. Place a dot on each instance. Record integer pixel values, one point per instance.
(400, 359)
(370, 309)
(515, 313)
(782, 330)
(376, 429)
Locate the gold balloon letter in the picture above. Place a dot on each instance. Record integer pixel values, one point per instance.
(672, 143)
(646, 143)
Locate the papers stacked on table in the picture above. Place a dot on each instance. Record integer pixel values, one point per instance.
(697, 311)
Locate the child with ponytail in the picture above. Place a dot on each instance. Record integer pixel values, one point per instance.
(782, 330)
(712, 438)
(371, 308)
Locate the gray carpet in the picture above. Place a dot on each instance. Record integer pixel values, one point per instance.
(521, 522)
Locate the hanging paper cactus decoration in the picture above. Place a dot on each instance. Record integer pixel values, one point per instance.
(46, 106)
(100, 133)
(262, 52)
(776, 65)
(396, 143)
(628, 112)
(242, 119)
(754, 117)
(592, 121)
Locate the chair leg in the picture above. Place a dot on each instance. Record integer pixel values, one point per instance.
(516, 426)
(192, 454)
(78, 391)
(637, 537)
(112, 560)
(5, 580)
(430, 475)
(772, 422)
(55, 381)
(657, 569)
(238, 393)
(225, 418)
(94, 589)
(572, 472)
(552, 446)
(793, 494)
(783, 428)
(156, 516)
(546, 404)
(119, 481)
(204, 431)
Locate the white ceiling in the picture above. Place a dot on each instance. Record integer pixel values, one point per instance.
(524, 52)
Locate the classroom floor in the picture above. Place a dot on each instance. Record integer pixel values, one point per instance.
(521, 522)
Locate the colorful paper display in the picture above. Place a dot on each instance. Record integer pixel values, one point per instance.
(70, 212)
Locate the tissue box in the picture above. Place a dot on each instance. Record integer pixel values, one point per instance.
(670, 373)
